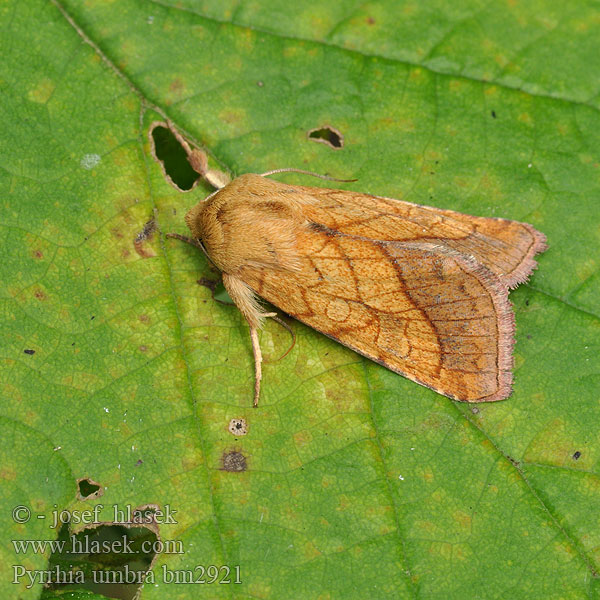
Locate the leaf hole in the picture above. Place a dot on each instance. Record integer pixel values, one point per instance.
(327, 135)
(88, 489)
(110, 559)
(172, 156)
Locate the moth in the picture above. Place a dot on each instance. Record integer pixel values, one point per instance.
(423, 291)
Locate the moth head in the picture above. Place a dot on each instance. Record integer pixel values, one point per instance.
(249, 222)
(192, 219)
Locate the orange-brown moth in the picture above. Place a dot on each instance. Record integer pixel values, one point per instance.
(421, 290)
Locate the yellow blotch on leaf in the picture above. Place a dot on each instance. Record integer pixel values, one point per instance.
(501, 60)
(564, 551)
(310, 551)
(442, 549)
(232, 116)
(302, 437)
(526, 118)
(345, 503)
(552, 445)
(326, 481)
(564, 129)
(590, 486)
(416, 75)
(426, 526)
(462, 518)
(42, 91)
(245, 39)
(290, 51)
(586, 268)
(428, 474)
(491, 90)
(8, 473)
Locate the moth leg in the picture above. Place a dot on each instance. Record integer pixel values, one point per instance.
(257, 360)
(257, 363)
(245, 299)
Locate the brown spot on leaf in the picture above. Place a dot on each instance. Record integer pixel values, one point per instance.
(38, 254)
(8, 474)
(515, 462)
(231, 116)
(233, 461)
(143, 236)
(144, 318)
(370, 21)
(238, 427)
(39, 294)
(211, 284)
(176, 85)
(88, 489)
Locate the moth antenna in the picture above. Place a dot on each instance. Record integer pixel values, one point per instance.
(290, 331)
(303, 172)
(192, 241)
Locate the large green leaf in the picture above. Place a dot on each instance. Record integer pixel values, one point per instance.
(356, 482)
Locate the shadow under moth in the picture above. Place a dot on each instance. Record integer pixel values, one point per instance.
(423, 291)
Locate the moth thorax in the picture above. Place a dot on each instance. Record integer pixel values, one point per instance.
(247, 224)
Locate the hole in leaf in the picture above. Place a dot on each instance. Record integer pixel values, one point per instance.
(173, 158)
(89, 489)
(110, 560)
(327, 135)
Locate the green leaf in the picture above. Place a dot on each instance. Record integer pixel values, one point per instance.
(352, 482)
(78, 595)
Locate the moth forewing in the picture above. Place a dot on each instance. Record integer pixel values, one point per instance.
(422, 291)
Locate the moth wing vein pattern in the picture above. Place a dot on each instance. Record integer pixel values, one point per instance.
(420, 290)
